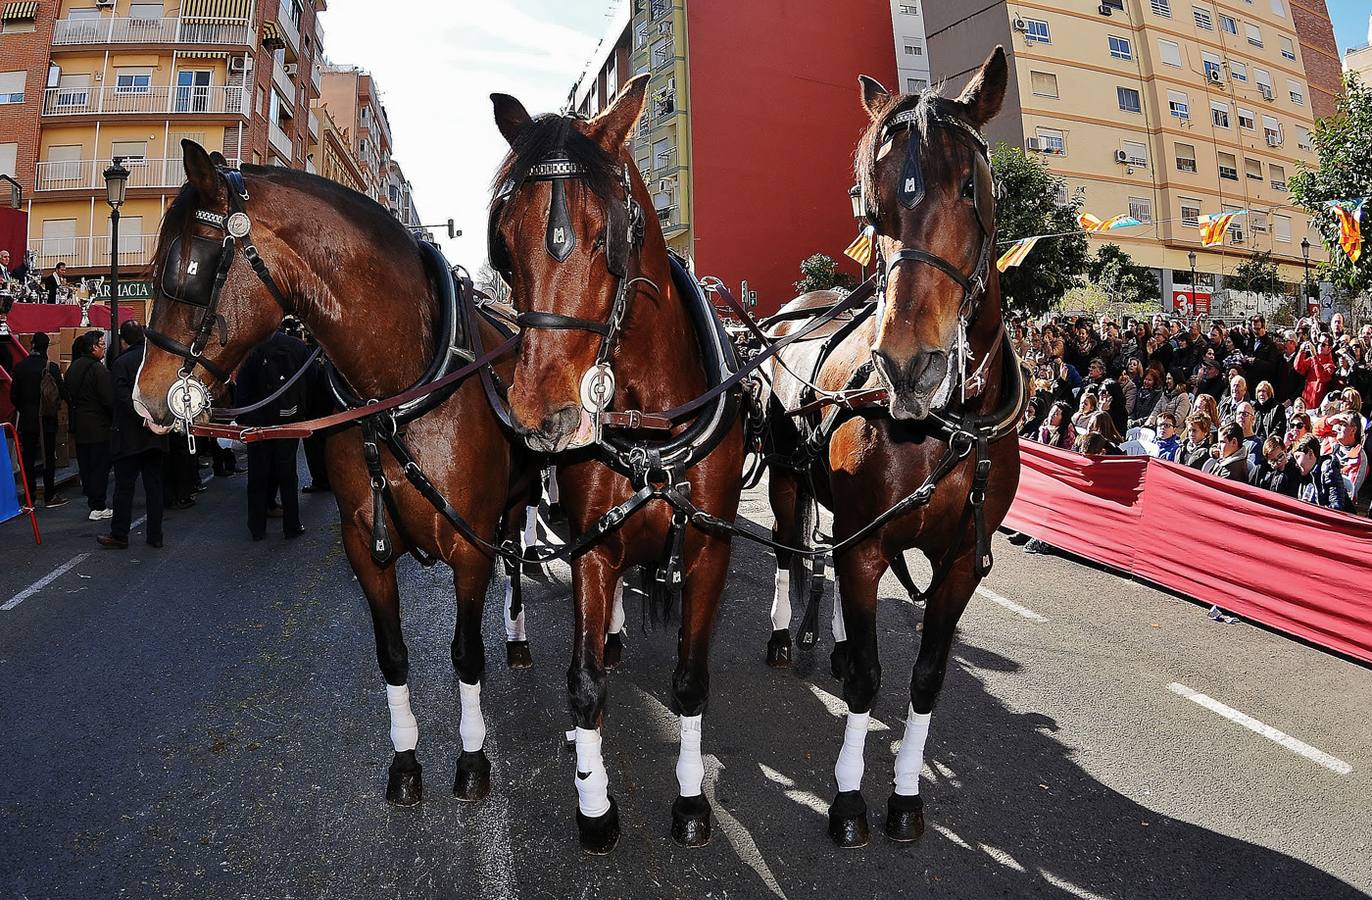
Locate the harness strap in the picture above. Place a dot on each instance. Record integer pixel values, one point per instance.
(176, 348)
(558, 322)
(382, 550)
(910, 254)
(235, 412)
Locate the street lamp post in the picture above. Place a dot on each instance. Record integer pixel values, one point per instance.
(860, 214)
(116, 183)
(1195, 299)
(1305, 255)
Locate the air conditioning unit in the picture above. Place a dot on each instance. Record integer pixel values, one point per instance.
(238, 64)
(1121, 157)
(104, 2)
(1216, 76)
(1105, 10)
(1035, 144)
(291, 69)
(666, 185)
(1019, 24)
(1273, 140)
(1266, 91)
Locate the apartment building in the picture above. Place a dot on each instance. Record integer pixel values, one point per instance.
(354, 101)
(1319, 54)
(751, 122)
(1162, 109)
(86, 81)
(1359, 59)
(332, 152)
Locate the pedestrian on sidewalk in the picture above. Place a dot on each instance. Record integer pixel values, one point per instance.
(38, 392)
(139, 447)
(92, 413)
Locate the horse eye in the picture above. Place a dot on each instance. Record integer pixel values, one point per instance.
(969, 189)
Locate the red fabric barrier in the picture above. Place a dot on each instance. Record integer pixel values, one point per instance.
(1289, 565)
(27, 318)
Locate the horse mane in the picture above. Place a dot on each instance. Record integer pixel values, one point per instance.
(925, 104)
(545, 136)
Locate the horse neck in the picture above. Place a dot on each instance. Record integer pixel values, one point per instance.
(658, 360)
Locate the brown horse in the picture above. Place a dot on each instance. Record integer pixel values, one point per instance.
(935, 341)
(372, 296)
(604, 319)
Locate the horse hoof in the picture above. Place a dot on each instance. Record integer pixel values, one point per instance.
(473, 781)
(904, 818)
(848, 820)
(599, 834)
(614, 650)
(779, 649)
(691, 821)
(517, 655)
(404, 786)
(838, 660)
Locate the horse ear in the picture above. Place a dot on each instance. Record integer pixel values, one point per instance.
(875, 97)
(200, 170)
(611, 129)
(510, 116)
(986, 91)
(218, 159)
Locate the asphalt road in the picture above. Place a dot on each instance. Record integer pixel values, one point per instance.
(207, 720)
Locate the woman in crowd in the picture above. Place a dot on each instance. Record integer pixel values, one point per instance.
(1206, 406)
(92, 412)
(1146, 397)
(1271, 414)
(1088, 406)
(1093, 444)
(1195, 450)
(1112, 401)
(1175, 401)
(1056, 430)
(1315, 361)
(1345, 444)
(1102, 424)
(1033, 418)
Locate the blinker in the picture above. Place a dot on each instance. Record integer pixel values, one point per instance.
(911, 191)
(189, 278)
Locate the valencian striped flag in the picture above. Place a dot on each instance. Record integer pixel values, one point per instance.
(1090, 223)
(1350, 226)
(1016, 254)
(860, 250)
(1213, 225)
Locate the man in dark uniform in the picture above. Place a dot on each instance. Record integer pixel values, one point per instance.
(272, 464)
(38, 408)
(139, 448)
(55, 282)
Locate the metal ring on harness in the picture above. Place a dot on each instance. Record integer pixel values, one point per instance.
(187, 398)
(597, 388)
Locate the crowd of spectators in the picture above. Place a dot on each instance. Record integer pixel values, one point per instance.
(1283, 411)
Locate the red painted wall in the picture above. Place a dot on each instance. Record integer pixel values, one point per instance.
(775, 118)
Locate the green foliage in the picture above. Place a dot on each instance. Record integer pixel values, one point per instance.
(821, 273)
(1257, 274)
(1344, 144)
(1114, 272)
(1028, 207)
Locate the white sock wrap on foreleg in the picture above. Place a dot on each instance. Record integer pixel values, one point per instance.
(472, 727)
(848, 770)
(781, 600)
(910, 758)
(593, 790)
(690, 768)
(530, 526)
(550, 487)
(617, 609)
(404, 727)
(514, 628)
(840, 632)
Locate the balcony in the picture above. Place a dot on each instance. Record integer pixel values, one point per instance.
(116, 30)
(314, 125)
(289, 30)
(280, 140)
(157, 100)
(316, 76)
(135, 250)
(88, 174)
(283, 81)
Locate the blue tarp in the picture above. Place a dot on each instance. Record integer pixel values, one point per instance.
(9, 495)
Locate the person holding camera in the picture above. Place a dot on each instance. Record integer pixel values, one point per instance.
(1315, 363)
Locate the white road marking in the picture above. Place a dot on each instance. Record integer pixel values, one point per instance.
(951, 835)
(1001, 857)
(1069, 887)
(1017, 608)
(804, 798)
(1334, 764)
(839, 710)
(43, 582)
(736, 833)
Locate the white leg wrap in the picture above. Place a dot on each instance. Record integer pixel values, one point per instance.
(690, 769)
(514, 628)
(592, 781)
(910, 759)
(617, 609)
(530, 526)
(781, 600)
(471, 727)
(404, 728)
(552, 484)
(840, 632)
(848, 770)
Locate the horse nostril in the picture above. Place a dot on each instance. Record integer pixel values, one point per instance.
(927, 370)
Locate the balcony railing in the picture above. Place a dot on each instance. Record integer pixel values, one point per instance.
(283, 81)
(157, 100)
(316, 75)
(280, 140)
(88, 174)
(314, 125)
(116, 30)
(289, 29)
(134, 250)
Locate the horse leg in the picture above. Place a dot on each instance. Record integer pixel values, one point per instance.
(517, 655)
(783, 491)
(905, 809)
(404, 786)
(597, 815)
(614, 640)
(838, 658)
(701, 594)
(471, 574)
(859, 569)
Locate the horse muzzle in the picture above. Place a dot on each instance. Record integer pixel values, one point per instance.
(917, 385)
(565, 428)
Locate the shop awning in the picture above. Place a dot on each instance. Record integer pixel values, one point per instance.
(271, 36)
(19, 11)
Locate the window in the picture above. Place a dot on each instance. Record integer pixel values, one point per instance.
(1178, 104)
(916, 85)
(134, 152)
(1219, 114)
(1278, 9)
(1257, 221)
(1162, 8)
(1264, 80)
(1136, 153)
(1129, 99)
(1296, 91)
(1060, 192)
(663, 53)
(1120, 48)
(1203, 18)
(132, 81)
(1190, 212)
(1278, 175)
(1238, 71)
(1228, 25)
(1044, 84)
(22, 22)
(1287, 49)
(1247, 119)
(1253, 169)
(1054, 141)
(1254, 34)
(662, 153)
(145, 11)
(611, 77)
(59, 238)
(1229, 166)
(1036, 31)
(12, 86)
(1170, 52)
(1271, 129)
(1141, 209)
(913, 47)
(9, 153)
(1186, 158)
(1213, 70)
(1281, 228)
(1303, 138)
(640, 34)
(909, 9)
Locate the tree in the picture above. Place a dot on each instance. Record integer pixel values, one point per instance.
(821, 274)
(1257, 274)
(1114, 272)
(492, 284)
(1343, 143)
(1029, 206)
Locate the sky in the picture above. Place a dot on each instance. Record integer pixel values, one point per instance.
(436, 65)
(1350, 21)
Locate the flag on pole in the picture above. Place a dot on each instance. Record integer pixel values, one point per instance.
(1016, 254)
(860, 250)
(1089, 223)
(1350, 226)
(1213, 225)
